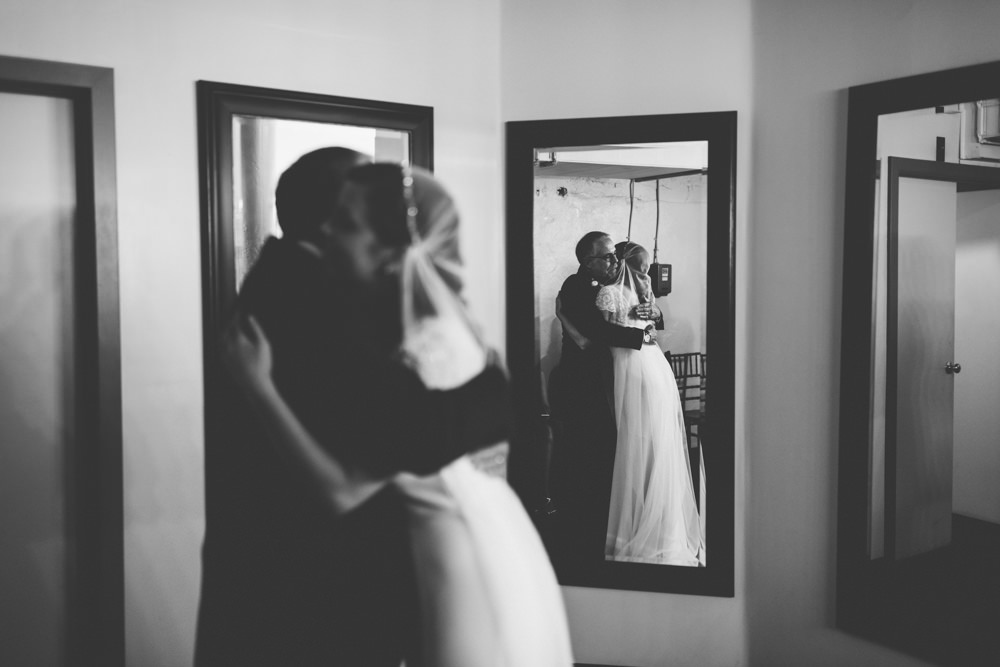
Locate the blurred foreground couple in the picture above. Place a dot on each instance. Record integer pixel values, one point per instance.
(345, 525)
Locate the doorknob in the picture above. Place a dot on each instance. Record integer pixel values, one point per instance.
(953, 368)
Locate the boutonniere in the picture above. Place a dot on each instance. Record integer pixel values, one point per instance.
(593, 283)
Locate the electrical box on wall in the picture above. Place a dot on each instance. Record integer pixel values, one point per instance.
(661, 276)
(980, 132)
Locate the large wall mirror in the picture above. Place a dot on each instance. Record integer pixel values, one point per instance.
(919, 503)
(62, 558)
(624, 446)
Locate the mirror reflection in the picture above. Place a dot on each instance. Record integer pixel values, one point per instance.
(620, 247)
(937, 383)
(264, 147)
(933, 506)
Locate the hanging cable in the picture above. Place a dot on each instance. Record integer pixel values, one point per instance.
(631, 204)
(656, 234)
(659, 273)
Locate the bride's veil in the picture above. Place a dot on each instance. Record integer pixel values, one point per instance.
(440, 339)
(627, 279)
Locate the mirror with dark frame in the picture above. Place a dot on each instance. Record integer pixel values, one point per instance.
(247, 137)
(63, 549)
(919, 507)
(624, 446)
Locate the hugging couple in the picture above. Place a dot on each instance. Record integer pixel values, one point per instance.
(622, 467)
(345, 524)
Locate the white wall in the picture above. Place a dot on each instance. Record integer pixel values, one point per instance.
(977, 330)
(566, 59)
(806, 54)
(442, 53)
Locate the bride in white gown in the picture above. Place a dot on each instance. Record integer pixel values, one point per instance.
(487, 594)
(654, 517)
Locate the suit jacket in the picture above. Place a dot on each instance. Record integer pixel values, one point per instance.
(284, 582)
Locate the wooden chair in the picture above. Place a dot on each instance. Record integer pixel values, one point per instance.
(692, 384)
(690, 371)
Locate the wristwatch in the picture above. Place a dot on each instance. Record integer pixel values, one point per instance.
(647, 337)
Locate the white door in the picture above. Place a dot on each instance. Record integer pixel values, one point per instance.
(977, 330)
(925, 338)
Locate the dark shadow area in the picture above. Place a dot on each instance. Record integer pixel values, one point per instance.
(942, 606)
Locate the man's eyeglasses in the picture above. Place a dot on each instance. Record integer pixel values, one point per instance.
(610, 258)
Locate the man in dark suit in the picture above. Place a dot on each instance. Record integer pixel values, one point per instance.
(581, 392)
(284, 581)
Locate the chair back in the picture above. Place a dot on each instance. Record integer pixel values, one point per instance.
(690, 372)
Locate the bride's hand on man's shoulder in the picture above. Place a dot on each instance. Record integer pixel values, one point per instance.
(246, 353)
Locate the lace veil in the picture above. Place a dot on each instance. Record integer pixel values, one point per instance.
(630, 286)
(440, 339)
(630, 253)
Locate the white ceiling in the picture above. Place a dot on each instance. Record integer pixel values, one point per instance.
(629, 161)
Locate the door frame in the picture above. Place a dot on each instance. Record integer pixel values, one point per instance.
(94, 486)
(967, 178)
